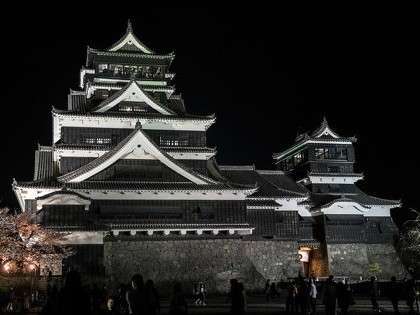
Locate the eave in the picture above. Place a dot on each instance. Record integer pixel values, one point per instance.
(137, 140)
(296, 147)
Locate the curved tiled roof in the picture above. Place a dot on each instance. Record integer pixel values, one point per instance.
(322, 200)
(324, 127)
(43, 163)
(127, 145)
(189, 117)
(130, 186)
(336, 174)
(123, 83)
(65, 146)
(96, 162)
(272, 184)
(114, 97)
(133, 224)
(131, 40)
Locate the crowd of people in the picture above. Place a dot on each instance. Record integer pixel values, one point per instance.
(301, 296)
(138, 297)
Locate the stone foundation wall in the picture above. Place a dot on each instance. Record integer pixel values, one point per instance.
(214, 261)
(361, 259)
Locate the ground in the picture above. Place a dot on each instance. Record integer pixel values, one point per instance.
(258, 305)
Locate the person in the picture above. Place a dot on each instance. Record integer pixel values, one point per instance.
(237, 298)
(196, 294)
(267, 290)
(411, 295)
(291, 298)
(135, 296)
(242, 298)
(273, 291)
(394, 294)
(202, 294)
(178, 304)
(302, 295)
(96, 299)
(52, 300)
(344, 296)
(313, 293)
(151, 298)
(330, 296)
(120, 300)
(373, 293)
(73, 298)
(110, 307)
(11, 300)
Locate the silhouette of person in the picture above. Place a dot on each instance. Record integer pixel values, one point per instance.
(202, 293)
(302, 295)
(373, 293)
(291, 298)
(135, 296)
(237, 297)
(411, 295)
(120, 300)
(394, 294)
(73, 298)
(178, 304)
(344, 296)
(313, 294)
(267, 290)
(273, 291)
(330, 296)
(152, 299)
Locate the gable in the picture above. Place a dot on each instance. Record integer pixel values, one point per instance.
(132, 93)
(136, 141)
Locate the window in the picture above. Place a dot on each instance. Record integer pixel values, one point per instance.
(118, 69)
(334, 169)
(289, 164)
(298, 158)
(333, 188)
(322, 153)
(98, 140)
(167, 141)
(102, 67)
(332, 153)
(132, 108)
(341, 153)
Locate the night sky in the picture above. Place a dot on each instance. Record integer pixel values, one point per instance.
(266, 73)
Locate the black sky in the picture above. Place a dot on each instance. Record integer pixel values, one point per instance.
(267, 73)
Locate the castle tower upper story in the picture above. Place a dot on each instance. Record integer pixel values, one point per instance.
(320, 158)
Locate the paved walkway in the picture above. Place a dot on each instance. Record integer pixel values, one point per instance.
(258, 305)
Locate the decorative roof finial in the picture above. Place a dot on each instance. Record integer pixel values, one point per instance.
(324, 121)
(129, 26)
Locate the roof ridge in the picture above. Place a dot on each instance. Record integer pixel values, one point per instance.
(268, 172)
(237, 167)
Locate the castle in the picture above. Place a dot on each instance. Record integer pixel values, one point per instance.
(130, 175)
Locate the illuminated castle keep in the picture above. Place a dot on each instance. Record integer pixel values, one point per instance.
(130, 175)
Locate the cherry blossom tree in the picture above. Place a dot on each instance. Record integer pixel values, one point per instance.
(410, 242)
(25, 244)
